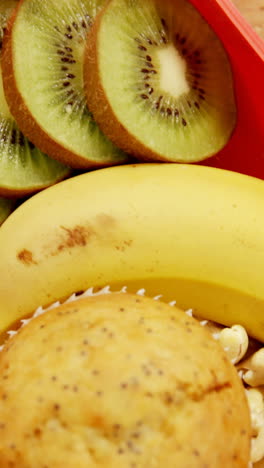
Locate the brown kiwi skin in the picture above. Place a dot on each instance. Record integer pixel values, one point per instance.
(25, 121)
(100, 107)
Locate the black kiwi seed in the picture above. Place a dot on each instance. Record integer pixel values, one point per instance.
(193, 60)
(157, 104)
(151, 70)
(13, 138)
(21, 139)
(72, 31)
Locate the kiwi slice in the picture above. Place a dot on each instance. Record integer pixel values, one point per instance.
(23, 168)
(159, 81)
(43, 81)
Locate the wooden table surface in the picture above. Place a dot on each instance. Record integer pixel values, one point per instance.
(253, 11)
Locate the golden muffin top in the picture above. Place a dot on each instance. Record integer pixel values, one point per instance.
(120, 380)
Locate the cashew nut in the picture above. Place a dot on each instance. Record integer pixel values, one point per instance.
(253, 369)
(256, 405)
(235, 341)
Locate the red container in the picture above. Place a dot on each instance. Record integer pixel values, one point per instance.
(245, 151)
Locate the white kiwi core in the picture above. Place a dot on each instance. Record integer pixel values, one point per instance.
(173, 70)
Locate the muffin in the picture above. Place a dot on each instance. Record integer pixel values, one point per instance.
(117, 381)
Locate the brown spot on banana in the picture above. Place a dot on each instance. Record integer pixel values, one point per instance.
(124, 245)
(77, 236)
(65, 238)
(106, 221)
(70, 237)
(26, 256)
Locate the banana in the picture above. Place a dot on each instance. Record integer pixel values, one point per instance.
(191, 233)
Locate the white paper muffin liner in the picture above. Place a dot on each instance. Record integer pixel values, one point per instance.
(214, 329)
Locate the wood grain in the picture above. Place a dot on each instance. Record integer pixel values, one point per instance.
(253, 11)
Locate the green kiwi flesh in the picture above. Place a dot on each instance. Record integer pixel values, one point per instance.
(48, 39)
(23, 168)
(165, 79)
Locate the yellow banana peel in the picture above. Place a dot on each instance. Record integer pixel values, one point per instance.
(191, 233)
